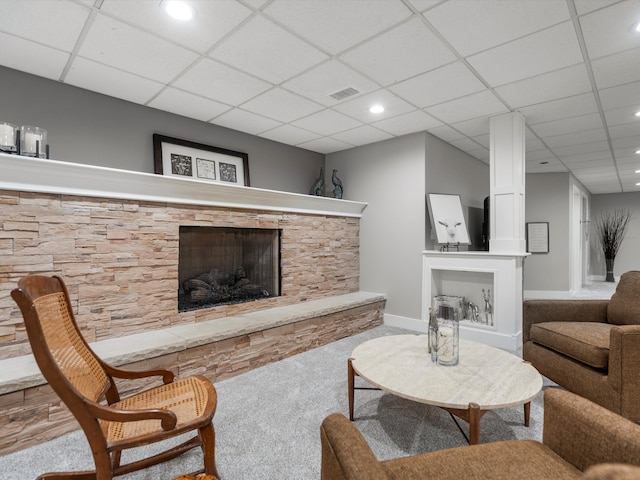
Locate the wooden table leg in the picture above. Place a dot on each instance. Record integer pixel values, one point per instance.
(350, 375)
(475, 415)
(527, 413)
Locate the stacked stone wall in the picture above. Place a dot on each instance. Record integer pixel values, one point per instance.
(119, 259)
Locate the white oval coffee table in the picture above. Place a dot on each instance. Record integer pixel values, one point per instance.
(486, 378)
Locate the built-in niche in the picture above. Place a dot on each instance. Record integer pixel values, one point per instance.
(223, 265)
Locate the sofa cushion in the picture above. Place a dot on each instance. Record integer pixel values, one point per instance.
(624, 306)
(521, 459)
(587, 342)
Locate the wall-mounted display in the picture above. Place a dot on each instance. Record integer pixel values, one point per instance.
(447, 219)
(182, 158)
(538, 237)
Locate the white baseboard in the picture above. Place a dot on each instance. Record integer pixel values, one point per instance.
(407, 323)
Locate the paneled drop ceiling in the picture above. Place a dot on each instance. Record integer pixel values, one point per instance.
(270, 67)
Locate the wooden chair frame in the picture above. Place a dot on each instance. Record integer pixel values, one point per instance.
(99, 420)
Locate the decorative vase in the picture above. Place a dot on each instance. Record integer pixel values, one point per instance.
(433, 335)
(609, 264)
(448, 339)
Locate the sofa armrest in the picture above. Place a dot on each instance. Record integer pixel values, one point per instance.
(346, 455)
(585, 434)
(624, 365)
(536, 311)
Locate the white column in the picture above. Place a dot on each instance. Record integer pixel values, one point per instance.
(507, 170)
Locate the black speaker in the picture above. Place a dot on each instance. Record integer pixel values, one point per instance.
(486, 225)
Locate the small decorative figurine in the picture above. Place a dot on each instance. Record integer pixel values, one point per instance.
(488, 309)
(337, 191)
(318, 187)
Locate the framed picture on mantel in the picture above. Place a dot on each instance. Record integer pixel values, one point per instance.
(182, 158)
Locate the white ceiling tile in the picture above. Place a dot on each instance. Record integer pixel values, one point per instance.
(587, 147)
(573, 106)
(534, 144)
(587, 157)
(213, 80)
(437, 86)
(31, 57)
(568, 125)
(608, 30)
(575, 138)
(474, 127)
(631, 129)
(482, 104)
(445, 133)
(118, 45)
(416, 121)
(322, 81)
(617, 69)
(484, 140)
(187, 104)
(264, 49)
(244, 121)
(481, 154)
(422, 5)
(358, 108)
(473, 26)
(356, 20)
(549, 86)
(551, 49)
(628, 144)
(54, 23)
(586, 6)
(540, 155)
(325, 145)
(465, 144)
(214, 20)
(110, 81)
(363, 135)
(400, 53)
(281, 105)
(327, 122)
(289, 134)
(621, 96)
(622, 116)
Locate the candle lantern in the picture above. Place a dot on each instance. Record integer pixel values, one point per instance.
(33, 141)
(8, 141)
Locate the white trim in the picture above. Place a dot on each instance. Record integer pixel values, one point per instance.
(26, 174)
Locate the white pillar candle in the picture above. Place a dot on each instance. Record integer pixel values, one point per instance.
(30, 142)
(7, 135)
(445, 344)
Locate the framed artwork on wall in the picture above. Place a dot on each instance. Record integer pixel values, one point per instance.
(538, 237)
(182, 158)
(447, 219)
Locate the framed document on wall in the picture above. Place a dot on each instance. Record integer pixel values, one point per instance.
(538, 237)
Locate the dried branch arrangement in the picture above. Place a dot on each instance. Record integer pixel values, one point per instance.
(611, 228)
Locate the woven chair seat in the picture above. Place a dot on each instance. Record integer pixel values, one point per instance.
(186, 397)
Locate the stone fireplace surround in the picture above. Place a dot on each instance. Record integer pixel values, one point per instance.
(117, 250)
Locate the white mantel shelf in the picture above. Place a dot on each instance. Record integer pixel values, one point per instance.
(27, 174)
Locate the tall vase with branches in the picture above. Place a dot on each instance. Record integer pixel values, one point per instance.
(611, 228)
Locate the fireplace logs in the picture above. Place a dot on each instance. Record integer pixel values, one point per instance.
(216, 287)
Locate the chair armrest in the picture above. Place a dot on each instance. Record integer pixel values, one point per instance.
(104, 412)
(346, 455)
(584, 433)
(167, 375)
(537, 311)
(624, 365)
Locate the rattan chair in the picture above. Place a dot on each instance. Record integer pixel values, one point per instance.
(86, 385)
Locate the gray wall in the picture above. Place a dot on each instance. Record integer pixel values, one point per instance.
(451, 171)
(90, 128)
(389, 175)
(547, 199)
(628, 257)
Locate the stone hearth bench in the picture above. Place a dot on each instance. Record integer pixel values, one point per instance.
(219, 349)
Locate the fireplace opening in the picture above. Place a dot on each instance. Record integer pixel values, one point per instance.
(222, 266)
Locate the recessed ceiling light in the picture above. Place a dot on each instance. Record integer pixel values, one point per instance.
(638, 152)
(178, 9)
(635, 28)
(380, 109)
(543, 163)
(637, 114)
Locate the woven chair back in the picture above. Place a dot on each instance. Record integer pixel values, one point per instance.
(76, 362)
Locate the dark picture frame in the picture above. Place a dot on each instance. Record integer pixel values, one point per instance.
(538, 237)
(185, 159)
